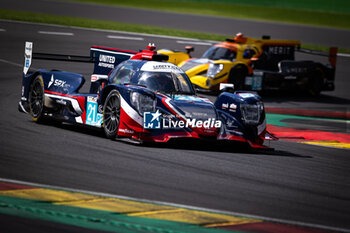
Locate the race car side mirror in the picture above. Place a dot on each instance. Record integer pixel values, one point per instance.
(189, 49)
(227, 87)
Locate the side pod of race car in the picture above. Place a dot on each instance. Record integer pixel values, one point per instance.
(257, 64)
(138, 96)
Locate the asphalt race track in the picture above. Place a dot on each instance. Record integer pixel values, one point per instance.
(296, 182)
(200, 23)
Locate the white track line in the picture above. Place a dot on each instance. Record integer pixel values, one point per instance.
(56, 33)
(105, 30)
(296, 223)
(12, 63)
(343, 55)
(2, 30)
(127, 33)
(124, 37)
(15, 64)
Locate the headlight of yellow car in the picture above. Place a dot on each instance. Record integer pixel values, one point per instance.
(214, 69)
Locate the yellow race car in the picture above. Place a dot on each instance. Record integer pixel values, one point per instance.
(254, 64)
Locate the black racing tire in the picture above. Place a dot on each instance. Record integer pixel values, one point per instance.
(111, 114)
(36, 99)
(315, 83)
(237, 77)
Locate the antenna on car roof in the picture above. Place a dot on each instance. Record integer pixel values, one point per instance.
(151, 46)
(150, 54)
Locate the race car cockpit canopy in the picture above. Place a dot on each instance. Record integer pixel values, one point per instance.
(220, 52)
(164, 77)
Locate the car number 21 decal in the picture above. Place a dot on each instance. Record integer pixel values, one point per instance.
(92, 116)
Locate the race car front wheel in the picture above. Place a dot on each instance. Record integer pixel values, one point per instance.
(36, 99)
(237, 77)
(111, 114)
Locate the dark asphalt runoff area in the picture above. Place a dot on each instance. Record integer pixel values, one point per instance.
(199, 23)
(296, 182)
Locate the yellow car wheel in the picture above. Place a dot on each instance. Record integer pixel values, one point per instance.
(315, 83)
(237, 77)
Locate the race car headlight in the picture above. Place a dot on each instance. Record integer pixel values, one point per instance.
(142, 103)
(261, 106)
(251, 113)
(214, 69)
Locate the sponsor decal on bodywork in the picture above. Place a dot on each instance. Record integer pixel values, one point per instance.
(161, 67)
(232, 107)
(106, 61)
(93, 117)
(55, 83)
(156, 120)
(27, 56)
(97, 77)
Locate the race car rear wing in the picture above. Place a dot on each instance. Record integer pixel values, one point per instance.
(107, 58)
(332, 54)
(104, 59)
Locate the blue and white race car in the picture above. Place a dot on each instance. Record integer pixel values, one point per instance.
(139, 96)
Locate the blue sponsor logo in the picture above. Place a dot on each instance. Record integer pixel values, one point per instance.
(152, 120)
(27, 63)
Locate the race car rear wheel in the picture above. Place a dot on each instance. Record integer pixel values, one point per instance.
(111, 114)
(237, 77)
(36, 99)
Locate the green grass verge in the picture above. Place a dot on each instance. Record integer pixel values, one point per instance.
(310, 12)
(339, 6)
(100, 24)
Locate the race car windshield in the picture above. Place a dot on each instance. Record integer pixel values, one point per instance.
(216, 53)
(167, 82)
